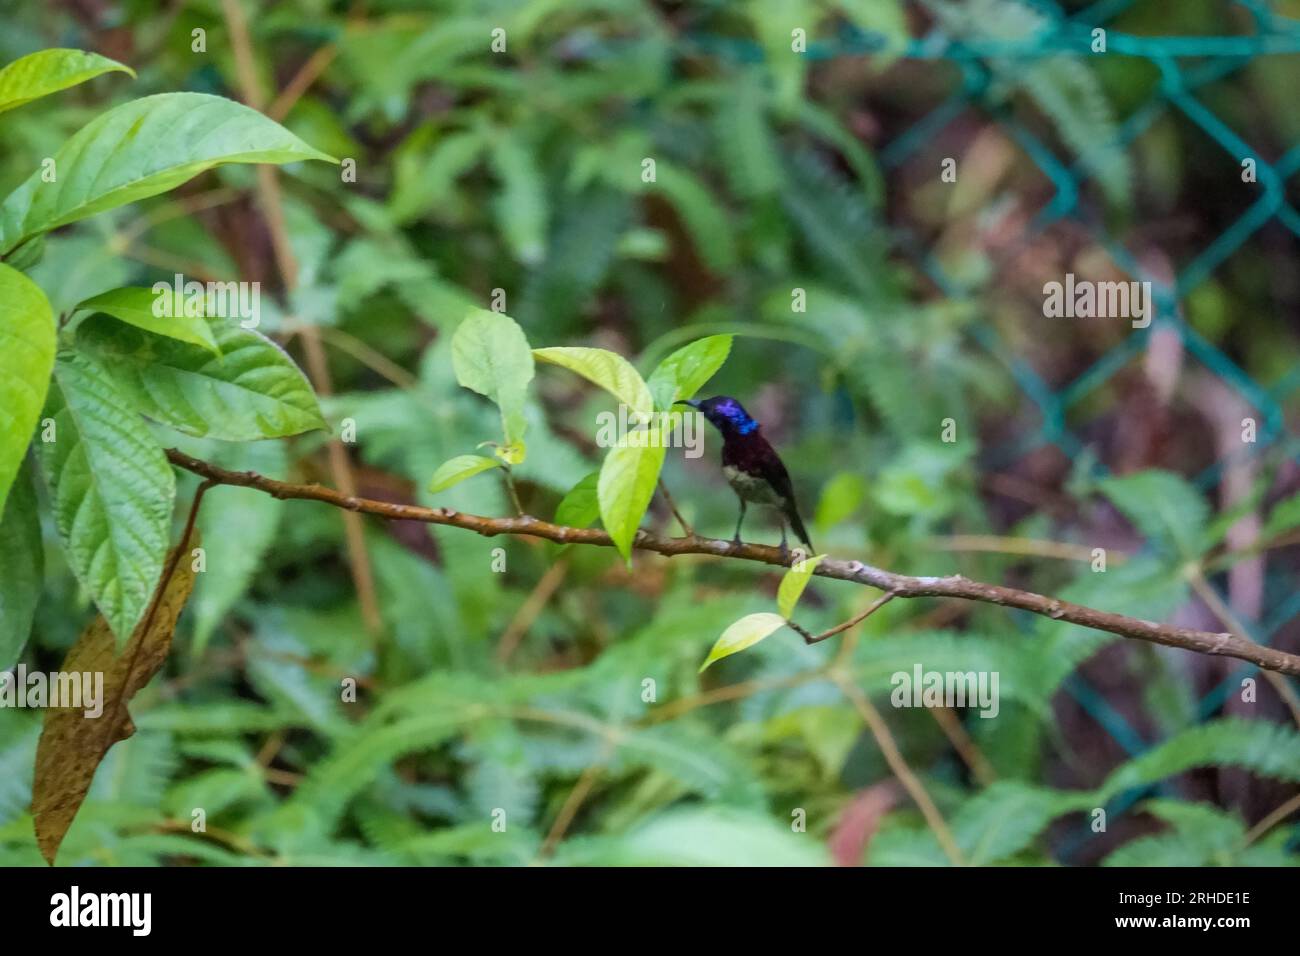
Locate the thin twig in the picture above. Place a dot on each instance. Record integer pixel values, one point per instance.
(371, 358)
(509, 477)
(185, 206)
(573, 803)
(894, 757)
(1272, 819)
(1233, 623)
(672, 506)
(1028, 547)
(901, 585)
(872, 608)
(961, 741)
(682, 705)
(307, 74)
(169, 262)
(518, 627)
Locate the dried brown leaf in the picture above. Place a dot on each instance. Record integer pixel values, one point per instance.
(72, 745)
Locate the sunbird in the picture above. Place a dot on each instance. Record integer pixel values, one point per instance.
(753, 468)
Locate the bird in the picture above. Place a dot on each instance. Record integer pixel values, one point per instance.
(753, 468)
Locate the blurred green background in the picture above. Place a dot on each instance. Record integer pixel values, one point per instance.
(563, 690)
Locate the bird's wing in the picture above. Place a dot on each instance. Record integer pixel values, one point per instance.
(773, 471)
(776, 475)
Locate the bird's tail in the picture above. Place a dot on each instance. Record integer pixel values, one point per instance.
(792, 515)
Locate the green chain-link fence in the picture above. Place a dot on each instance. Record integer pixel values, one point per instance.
(1185, 65)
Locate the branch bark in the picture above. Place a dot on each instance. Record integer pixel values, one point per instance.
(900, 585)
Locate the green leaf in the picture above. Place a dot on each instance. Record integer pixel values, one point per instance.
(1284, 517)
(27, 344)
(993, 825)
(773, 22)
(521, 205)
(698, 759)
(581, 506)
(626, 484)
(1202, 835)
(1007, 817)
(746, 632)
(456, 470)
(423, 179)
(887, 18)
(140, 149)
(1164, 507)
(703, 217)
(48, 71)
(135, 305)
(744, 140)
(112, 490)
(250, 390)
(792, 585)
(684, 372)
(698, 836)
(490, 355)
(609, 370)
(841, 497)
(1269, 750)
(22, 560)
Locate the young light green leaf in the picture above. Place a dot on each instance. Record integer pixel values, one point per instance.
(580, 507)
(22, 559)
(792, 585)
(48, 71)
(140, 149)
(626, 484)
(112, 490)
(250, 390)
(135, 305)
(456, 470)
(27, 343)
(607, 369)
(512, 453)
(684, 372)
(490, 355)
(746, 632)
(841, 496)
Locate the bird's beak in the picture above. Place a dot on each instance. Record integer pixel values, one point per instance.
(693, 402)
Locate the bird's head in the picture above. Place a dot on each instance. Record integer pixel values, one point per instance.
(726, 414)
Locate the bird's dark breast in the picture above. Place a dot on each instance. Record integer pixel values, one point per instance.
(745, 460)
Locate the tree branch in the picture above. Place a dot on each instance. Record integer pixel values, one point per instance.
(900, 585)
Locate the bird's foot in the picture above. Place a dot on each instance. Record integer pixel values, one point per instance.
(736, 543)
(784, 551)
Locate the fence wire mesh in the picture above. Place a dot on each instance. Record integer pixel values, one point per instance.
(1186, 65)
